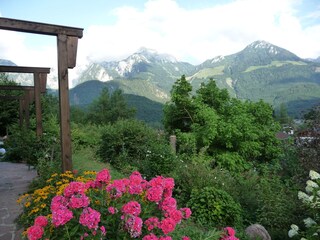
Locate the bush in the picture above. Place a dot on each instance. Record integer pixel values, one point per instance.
(214, 207)
(132, 145)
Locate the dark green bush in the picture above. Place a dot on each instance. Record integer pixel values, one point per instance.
(214, 207)
(134, 145)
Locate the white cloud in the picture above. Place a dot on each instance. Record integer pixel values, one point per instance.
(188, 34)
(200, 34)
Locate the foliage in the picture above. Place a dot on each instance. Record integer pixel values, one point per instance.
(24, 146)
(85, 135)
(9, 109)
(109, 108)
(235, 133)
(120, 209)
(311, 200)
(214, 207)
(130, 144)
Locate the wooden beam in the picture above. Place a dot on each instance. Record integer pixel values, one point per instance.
(10, 97)
(16, 87)
(21, 69)
(39, 28)
(72, 45)
(37, 97)
(65, 132)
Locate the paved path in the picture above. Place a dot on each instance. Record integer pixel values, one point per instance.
(14, 180)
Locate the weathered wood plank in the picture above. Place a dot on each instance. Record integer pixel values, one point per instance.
(37, 99)
(16, 87)
(39, 28)
(72, 45)
(65, 132)
(10, 97)
(23, 69)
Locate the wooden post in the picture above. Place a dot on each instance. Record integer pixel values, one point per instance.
(37, 99)
(173, 143)
(21, 112)
(65, 132)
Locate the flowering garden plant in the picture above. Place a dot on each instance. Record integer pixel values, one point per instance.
(101, 208)
(311, 199)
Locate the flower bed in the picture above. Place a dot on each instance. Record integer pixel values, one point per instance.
(84, 207)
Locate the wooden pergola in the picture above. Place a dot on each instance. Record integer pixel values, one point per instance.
(31, 93)
(67, 43)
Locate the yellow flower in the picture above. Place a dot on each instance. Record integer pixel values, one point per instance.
(97, 202)
(59, 183)
(55, 174)
(43, 205)
(27, 204)
(35, 210)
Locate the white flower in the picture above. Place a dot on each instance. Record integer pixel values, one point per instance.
(314, 175)
(304, 197)
(294, 227)
(312, 184)
(309, 222)
(309, 189)
(293, 231)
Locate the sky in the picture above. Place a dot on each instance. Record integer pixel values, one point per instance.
(190, 30)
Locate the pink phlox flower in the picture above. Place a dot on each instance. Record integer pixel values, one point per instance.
(74, 188)
(151, 223)
(103, 230)
(165, 238)
(229, 234)
(150, 236)
(167, 225)
(168, 203)
(41, 221)
(186, 212)
(90, 184)
(112, 210)
(90, 218)
(35, 232)
(154, 194)
(168, 187)
(61, 217)
(131, 208)
(230, 231)
(175, 214)
(134, 226)
(135, 185)
(157, 181)
(117, 188)
(185, 238)
(58, 202)
(79, 201)
(103, 177)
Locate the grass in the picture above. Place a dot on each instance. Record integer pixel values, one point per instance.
(84, 159)
(275, 64)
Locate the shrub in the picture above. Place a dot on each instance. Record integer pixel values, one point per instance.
(311, 200)
(130, 144)
(214, 207)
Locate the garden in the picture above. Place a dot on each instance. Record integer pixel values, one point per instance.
(227, 171)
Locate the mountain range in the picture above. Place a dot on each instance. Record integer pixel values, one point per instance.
(260, 71)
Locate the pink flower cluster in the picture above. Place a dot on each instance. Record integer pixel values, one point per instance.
(229, 234)
(77, 201)
(36, 231)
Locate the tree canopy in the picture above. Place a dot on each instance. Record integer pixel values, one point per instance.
(108, 108)
(235, 133)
